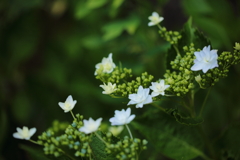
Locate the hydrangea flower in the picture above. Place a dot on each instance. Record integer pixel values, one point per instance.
(109, 88)
(107, 65)
(122, 117)
(24, 133)
(154, 19)
(68, 105)
(90, 125)
(158, 88)
(140, 98)
(205, 59)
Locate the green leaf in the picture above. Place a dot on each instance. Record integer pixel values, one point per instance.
(98, 148)
(170, 138)
(114, 29)
(186, 120)
(92, 4)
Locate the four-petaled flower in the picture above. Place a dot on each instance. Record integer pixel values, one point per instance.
(158, 88)
(141, 97)
(205, 59)
(154, 19)
(106, 66)
(24, 133)
(68, 105)
(122, 117)
(109, 88)
(90, 125)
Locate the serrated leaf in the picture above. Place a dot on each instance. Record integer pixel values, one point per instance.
(200, 40)
(170, 138)
(186, 120)
(98, 148)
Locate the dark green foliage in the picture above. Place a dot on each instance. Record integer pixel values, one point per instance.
(170, 138)
(187, 120)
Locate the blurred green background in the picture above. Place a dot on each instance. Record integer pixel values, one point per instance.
(48, 50)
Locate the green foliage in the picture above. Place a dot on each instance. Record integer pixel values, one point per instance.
(169, 138)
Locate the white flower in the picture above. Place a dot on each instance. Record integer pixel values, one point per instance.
(90, 125)
(154, 19)
(68, 105)
(205, 59)
(122, 117)
(107, 65)
(158, 88)
(24, 133)
(109, 88)
(142, 97)
(115, 130)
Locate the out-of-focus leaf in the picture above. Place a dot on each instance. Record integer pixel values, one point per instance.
(199, 7)
(114, 29)
(92, 4)
(92, 41)
(114, 7)
(81, 10)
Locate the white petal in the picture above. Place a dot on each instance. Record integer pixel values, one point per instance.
(151, 24)
(17, 135)
(130, 118)
(32, 131)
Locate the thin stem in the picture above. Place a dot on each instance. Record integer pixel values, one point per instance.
(67, 154)
(204, 102)
(129, 131)
(72, 115)
(100, 138)
(35, 142)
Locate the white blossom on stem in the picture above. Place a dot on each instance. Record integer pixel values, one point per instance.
(109, 88)
(24, 133)
(205, 59)
(122, 117)
(140, 98)
(107, 65)
(154, 19)
(90, 125)
(158, 88)
(68, 105)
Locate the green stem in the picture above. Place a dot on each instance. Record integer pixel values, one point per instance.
(67, 154)
(100, 138)
(72, 115)
(176, 49)
(204, 102)
(129, 131)
(35, 142)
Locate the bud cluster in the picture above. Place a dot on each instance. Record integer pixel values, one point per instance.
(127, 148)
(131, 87)
(181, 78)
(170, 36)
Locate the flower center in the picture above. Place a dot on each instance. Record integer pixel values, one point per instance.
(67, 105)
